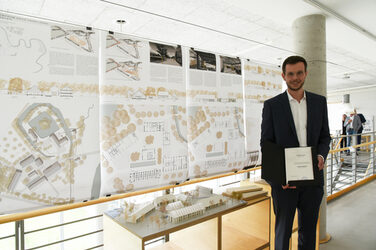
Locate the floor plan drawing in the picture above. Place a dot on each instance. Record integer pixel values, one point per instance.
(216, 139)
(141, 146)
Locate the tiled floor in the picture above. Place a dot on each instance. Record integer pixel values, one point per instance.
(351, 220)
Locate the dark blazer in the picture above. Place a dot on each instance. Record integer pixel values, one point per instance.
(278, 124)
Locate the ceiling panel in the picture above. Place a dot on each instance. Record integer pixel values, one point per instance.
(32, 6)
(173, 9)
(239, 26)
(134, 20)
(268, 22)
(355, 11)
(72, 11)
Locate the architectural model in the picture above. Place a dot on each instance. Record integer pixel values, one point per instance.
(138, 213)
(203, 191)
(165, 199)
(185, 213)
(184, 198)
(212, 201)
(174, 206)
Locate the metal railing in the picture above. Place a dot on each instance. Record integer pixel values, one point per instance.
(22, 235)
(22, 238)
(346, 166)
(343, 171)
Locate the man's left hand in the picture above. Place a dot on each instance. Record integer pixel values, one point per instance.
(321, 162)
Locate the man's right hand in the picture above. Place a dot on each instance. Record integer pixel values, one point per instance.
(288, 186)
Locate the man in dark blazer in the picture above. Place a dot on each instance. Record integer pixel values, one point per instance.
(296, 118)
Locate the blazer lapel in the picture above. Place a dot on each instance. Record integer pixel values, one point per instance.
(286, 105)
(310, 119)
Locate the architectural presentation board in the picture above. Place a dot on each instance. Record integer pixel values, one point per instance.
(143, 121)
(49, 149)
(216, 140)
(88, 113)
(261, 82)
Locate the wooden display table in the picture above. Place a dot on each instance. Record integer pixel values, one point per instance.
(234, 225)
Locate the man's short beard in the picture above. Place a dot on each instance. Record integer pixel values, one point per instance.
(295, 89)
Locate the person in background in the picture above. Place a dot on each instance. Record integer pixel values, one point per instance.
(352, 125)
(343, 142)
(362, 120)
(349, 131)
(357, 126)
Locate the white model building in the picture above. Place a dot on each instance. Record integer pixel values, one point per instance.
(182, 197)
(186, 213)
(168, 198)
(140, 211)
(203, 192)
(175, 205)
(212, 201)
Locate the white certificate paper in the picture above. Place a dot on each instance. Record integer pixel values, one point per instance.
(298, 164)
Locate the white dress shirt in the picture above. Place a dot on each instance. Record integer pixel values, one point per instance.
(299, 114)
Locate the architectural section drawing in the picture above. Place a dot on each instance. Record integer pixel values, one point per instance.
(128, 69)
(80, 38)
(125, 45)
(47, 156)
(142, 146)
(126, 60)
(216, 140)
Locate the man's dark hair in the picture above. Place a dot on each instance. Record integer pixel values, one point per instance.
(293, 60)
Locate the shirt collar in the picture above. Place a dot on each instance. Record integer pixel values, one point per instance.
(292, 98)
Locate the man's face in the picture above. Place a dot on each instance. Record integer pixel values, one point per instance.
(294, 76)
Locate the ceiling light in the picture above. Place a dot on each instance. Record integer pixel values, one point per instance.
(121, 22)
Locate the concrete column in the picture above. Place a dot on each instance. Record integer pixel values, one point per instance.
(309, 34)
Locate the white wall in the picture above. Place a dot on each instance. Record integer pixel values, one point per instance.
(363, 100)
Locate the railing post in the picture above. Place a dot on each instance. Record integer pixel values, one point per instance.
(16, 238)
(19, 235)
(353, 163)
(372, 155)
(331, 173)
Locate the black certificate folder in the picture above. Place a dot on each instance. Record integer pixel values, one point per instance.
(273, 167)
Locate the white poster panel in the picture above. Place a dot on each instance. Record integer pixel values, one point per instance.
(49, 150)
(143, 115)
(216, 138)
(261, 82)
